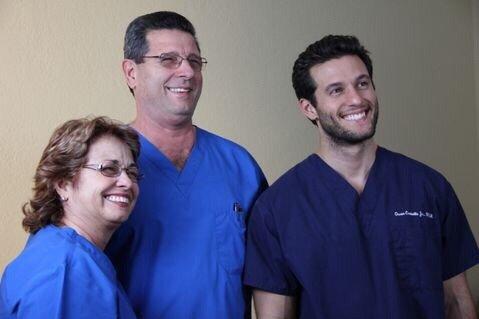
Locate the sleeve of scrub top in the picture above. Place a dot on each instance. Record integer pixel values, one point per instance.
(42, 298)
(265, 266)
(459, 247)
(69, 294)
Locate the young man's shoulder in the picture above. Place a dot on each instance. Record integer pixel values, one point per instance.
(412, 167)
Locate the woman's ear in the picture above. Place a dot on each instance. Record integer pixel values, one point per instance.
(63, 190)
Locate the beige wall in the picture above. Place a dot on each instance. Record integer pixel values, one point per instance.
(475, 13)
(61, 60)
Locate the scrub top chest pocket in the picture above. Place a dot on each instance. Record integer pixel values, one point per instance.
(230, 231)
(417, 247)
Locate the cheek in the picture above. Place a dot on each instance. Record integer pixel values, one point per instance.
(136, 190)
(199, 79)
(371, 97)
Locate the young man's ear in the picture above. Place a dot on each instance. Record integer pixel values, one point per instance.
(129, 72)
(308, 109)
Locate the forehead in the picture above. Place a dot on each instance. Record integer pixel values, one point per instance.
(344, 69)
(108, 147)
(166, 40)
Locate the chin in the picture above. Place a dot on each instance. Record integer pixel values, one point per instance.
(117, 219)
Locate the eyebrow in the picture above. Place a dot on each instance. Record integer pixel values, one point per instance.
(110, 161)
(117, 162)
(177, 53)
(363, 76)
(335, 84)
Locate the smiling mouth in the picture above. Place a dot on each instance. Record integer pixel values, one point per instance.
(356, 116)
(178, 89)
(118, 199)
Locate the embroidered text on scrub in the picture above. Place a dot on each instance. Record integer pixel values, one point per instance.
(419, 214)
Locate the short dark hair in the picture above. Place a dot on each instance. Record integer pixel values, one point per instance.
(136, 45)
(61, 160)
(328, 48)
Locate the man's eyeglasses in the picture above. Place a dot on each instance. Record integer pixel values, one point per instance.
(174, 60)
(113, 169)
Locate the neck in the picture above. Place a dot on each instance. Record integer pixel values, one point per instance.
(352, 162)
(174, 141)
(93, 232)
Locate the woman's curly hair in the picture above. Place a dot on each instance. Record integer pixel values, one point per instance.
(61, 160)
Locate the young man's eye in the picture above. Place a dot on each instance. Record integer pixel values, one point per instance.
(336, 91)
(363, 84)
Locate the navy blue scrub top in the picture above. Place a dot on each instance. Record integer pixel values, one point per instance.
(384, 254)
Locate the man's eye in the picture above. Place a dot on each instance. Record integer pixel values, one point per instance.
(167, 59)
(336, 91)
(194, 61)
(363, 84)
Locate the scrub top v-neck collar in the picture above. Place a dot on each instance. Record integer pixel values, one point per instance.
(364, 204)
(181, 179)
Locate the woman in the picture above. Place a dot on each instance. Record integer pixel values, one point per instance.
(85, 186)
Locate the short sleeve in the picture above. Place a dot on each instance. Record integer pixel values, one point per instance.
(67, 293)
(460, 250)
(265, 266)
(40, 298)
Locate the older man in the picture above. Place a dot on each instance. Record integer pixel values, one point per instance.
(181, 253)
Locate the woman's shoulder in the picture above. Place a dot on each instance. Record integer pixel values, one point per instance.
(52, 260)
(49, 252)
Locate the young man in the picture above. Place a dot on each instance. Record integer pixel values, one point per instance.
(355, 230)
(181, 253)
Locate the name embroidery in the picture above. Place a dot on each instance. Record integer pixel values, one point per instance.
(419, 214)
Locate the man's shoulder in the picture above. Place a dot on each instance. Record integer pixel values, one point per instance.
(411, 167)
(224, 148)
(215, 140)
(289, 184)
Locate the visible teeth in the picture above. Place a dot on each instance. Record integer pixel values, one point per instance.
(355, 117)
(179, 90)
(121, 199)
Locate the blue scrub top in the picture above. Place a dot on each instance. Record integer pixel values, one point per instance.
(61, 275)
(181, 252)
(384, 254)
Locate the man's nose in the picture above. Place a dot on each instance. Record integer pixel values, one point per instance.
(185, 69)
(353, 96)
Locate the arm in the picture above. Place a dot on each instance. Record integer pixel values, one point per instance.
(273, 306)
(458, 300)
(65, 295)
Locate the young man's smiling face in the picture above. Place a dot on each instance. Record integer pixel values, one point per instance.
(346, 107)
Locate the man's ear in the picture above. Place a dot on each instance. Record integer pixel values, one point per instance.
(308, 109)
(129, 71)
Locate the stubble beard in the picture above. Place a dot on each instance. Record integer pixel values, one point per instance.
(342, 136)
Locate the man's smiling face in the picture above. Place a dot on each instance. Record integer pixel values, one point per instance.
(168, 93)
(346, 102)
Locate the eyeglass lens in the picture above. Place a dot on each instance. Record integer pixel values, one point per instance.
(173, 61)
(114, 170)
